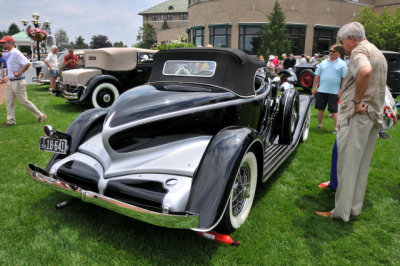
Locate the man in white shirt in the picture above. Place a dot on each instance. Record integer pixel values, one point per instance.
(17, 64)
(52, 64)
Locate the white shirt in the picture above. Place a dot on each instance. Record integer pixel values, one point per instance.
(15, 62)
(52, 60)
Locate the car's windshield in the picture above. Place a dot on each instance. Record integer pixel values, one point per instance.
(189, 68)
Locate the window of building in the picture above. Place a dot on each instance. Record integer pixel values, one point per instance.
(154, 17)
(162, 17)
(297, 36)
(249, 38)
(170, 17)
(220, 35)
(324, 38)
(198, 36)
(184, 16)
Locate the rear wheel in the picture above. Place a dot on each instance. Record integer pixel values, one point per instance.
(104, 95)
(242, 194)
(306, 79)
(288, 115)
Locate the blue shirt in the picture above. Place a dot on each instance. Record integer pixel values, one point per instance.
(2, 60)
(331, 75)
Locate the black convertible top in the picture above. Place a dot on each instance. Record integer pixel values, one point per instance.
(235, 70)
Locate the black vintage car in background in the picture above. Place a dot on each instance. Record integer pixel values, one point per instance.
(393, 75)
(108, 72)
(186, 149)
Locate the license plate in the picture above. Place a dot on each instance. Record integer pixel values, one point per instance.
(53, 145)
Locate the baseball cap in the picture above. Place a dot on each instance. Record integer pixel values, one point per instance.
(7, 38)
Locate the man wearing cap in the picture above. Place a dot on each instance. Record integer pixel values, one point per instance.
(17, 64)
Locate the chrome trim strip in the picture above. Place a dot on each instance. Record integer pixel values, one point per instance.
(184, 221)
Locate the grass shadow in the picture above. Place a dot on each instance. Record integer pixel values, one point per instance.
(94, 223)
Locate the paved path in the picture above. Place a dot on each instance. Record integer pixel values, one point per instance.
(2, 92)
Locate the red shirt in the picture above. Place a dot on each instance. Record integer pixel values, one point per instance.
(72, 64)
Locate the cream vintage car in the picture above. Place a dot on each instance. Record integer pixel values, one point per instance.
(108, 72)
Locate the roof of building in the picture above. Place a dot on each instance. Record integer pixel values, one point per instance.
(170, 6)
(21, 36)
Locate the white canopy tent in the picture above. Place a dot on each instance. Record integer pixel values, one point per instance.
(22, 39)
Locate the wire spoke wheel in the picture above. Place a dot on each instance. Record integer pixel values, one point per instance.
(242, 194)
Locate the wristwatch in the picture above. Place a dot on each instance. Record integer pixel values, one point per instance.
(355, 102)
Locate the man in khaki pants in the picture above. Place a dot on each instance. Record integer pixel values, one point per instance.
(360, 118)
(17, 64)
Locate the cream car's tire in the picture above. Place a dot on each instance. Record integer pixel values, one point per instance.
(242, 194)
(104, 95)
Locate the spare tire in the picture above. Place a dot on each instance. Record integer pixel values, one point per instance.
(306, 79)
(288, 115)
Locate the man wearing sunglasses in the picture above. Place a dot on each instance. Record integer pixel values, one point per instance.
(360, 117)
(327, 83)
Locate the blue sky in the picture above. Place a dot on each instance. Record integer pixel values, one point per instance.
(117, 19)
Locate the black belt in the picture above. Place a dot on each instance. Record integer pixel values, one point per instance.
(16, 79)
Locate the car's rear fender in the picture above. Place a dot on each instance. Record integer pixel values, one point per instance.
(94, 82)
(213, 181)
(79, 128)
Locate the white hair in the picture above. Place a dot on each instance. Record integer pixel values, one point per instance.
(54, 47)
(354, 29)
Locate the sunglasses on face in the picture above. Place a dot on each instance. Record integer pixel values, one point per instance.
(332, 51)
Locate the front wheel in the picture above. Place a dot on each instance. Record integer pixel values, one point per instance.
(104, 95)
(242, 194)
(306, 127)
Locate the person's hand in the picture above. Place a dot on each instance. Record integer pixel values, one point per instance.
(314, 91)
(51, 69)
(17, 74)
(339, 94)
(361, 108)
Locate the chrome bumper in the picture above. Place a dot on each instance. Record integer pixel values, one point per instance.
(71, 95)
(184, 221)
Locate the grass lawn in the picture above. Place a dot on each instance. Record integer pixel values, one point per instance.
(282, 227)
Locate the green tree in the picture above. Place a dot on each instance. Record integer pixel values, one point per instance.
(382, 29)
(119, 44)
(273, 37)
(13, 29)
(164, 25)
(100, 41)
(62, 40)
(80, 43)
(147, 36)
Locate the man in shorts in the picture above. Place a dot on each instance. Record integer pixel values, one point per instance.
(328, 82)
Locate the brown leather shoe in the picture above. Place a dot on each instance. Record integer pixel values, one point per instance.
(42, 118)
(324, 214)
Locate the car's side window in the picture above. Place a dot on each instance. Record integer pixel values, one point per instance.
(189, 68)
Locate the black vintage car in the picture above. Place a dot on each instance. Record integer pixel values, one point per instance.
(393, 75)
(185, 150)
(108, 72)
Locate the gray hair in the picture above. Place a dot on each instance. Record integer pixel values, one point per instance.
(354, 29)
(54, 47)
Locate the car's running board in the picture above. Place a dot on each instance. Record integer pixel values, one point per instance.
(274, 156)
